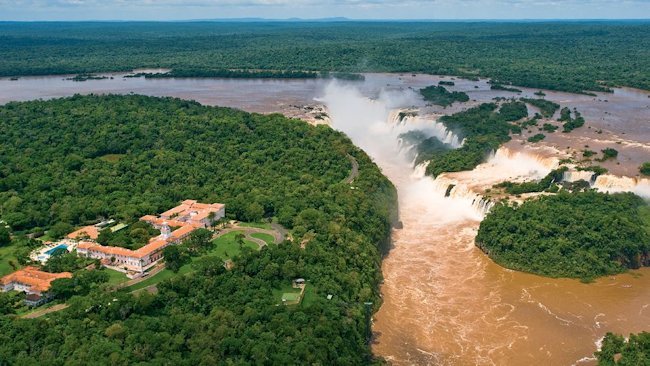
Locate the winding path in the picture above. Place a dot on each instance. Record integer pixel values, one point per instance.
(278, 235)
(355, 170)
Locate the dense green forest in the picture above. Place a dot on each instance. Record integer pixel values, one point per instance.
(484, 129)
(76, 159)
(633, 351)
(579, 235)
(441, 96)
(571, 56)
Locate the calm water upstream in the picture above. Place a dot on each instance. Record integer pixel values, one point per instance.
(444, 301)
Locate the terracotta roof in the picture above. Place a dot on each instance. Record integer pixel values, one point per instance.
(35, 279)
(183, 231)
(202, 210)
(189, 206)
(86, 245)
(175, 210)
(150, 248)
(89, 231)
(159, 222)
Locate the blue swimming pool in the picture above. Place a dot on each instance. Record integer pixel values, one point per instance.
(58, 247)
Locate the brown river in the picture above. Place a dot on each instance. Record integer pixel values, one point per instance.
(444, 302)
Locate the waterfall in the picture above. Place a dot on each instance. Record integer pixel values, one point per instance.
(410, 120)
(576, 175)
(612, 184)
(459, 192)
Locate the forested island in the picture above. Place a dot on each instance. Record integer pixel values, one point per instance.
(617, 350)
(70, 161)
(570, 56)
(484, 129)
(441, 96)
(578, 235)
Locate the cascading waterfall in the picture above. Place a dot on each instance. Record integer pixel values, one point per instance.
(429, 126)
(444, 302)
(576, 175)
(610, 183)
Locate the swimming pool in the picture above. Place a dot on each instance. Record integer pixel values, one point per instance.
(58, 247)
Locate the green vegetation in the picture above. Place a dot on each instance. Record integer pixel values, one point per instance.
(268, 238)
(261, 166)
(441, 96)
(597, 169)
(448, 83)
(5, 235)
(230, 245)
(8, 260)
(546, 107)
(644, 169)
(546, 184)
(549, 127)
(85, 77)
(570, 124)
(136, 236)
(424, 147)
(633, 351)
(259, 225)
(608, 153)
(570, 56)
(484, 129)
(536, 138)
(579, 235)
(163, 275)
(64, 261)
(588, 153)
(115, 277)
(497, 86)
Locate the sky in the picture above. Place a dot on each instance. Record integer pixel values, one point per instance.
(309, 9)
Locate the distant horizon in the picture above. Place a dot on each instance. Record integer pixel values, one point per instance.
(317, 10)
(331, 20)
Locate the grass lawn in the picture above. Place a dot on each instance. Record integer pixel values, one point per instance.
(268, 238)
(226, 246)
(115, 277)
(278, 293)
(310, 295)
(7, 255)
(259, 225)
(160, 276)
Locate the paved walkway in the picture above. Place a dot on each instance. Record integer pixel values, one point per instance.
(355, 170)
(42, 312)
(278, 237)
(157, 268)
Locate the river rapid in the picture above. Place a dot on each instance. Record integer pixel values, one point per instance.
(444, 301)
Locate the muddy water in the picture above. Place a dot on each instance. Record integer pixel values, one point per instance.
(444, 301)
(447, 303)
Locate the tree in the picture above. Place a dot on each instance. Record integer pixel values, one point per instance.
(239, 238)
(200, 241)
(254, 212)
(60, 229)
(5, 235)
(175, 257)
(645, 168)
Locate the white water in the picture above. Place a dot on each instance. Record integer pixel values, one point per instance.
(428, 125)
(444, 301)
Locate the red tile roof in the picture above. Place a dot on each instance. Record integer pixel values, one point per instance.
(86, 231)
(37, 280)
